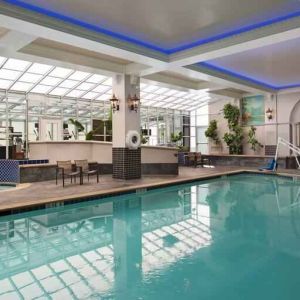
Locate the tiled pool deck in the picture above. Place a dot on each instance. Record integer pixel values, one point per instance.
(42, 193)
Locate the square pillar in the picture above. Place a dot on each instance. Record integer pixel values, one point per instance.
(126, 161)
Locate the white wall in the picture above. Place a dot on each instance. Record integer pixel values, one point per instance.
(215, 113)
(100, 152)
(286, 113)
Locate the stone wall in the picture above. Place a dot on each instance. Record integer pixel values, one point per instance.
(37, 173)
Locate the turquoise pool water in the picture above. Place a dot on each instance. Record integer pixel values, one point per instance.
(6, 187)
(230, 238)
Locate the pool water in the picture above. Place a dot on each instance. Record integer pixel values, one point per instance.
(235, 237)
(6, 187)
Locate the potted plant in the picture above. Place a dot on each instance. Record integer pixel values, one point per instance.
(144, 138)
(233, 138)
(254, 143)
(78, 126)
(176, 138)
(212, 134)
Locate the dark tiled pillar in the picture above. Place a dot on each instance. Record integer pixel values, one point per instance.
(126, 163)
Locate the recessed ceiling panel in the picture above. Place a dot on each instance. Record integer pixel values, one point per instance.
(276, 65)
(167, 24)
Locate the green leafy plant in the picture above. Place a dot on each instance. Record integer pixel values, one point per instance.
(144, 139)
(104, 126)
(255, 144)
(212, 132)
(89, 136)
(232, 115)
(176, 138)
(79, 127)
(234, 138)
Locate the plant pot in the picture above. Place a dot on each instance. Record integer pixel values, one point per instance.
(216, 148)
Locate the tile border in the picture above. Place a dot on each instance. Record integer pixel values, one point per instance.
(18, 208)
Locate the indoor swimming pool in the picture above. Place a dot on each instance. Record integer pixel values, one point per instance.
(235, 237)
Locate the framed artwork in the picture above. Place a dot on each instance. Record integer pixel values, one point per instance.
(253, 110)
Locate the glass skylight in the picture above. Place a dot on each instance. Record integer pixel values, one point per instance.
(16, 64)
(96, 78)
(9, 74)
(31, 78)
(5, 84)
(39, 69)
(21, 86)
(85, 86)
(41, 89)
(60, 72)
(27, 77)
(58, 91)
(69, 83)
(78, 75)
(51, 81)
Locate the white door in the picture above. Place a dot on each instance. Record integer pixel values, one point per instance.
(51, 129)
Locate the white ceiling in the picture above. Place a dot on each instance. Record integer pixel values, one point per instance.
(276, 65)
(169, 23)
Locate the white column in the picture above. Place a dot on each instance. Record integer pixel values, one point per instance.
(126, 162)
(125, 119)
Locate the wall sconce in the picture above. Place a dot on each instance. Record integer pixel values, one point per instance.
(133, 102)
(269, 113)
(115, 103)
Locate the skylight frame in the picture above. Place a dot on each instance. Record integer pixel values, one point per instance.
(92, 87)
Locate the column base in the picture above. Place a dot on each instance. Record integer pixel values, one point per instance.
(126, 163)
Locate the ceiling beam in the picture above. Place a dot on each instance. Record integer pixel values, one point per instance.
(54, 62)
(60, 32)
(14, 40)
(73, 58)
(172, 81)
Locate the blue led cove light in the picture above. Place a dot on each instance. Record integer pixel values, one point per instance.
(146, 44)
(246, 77)
(151, 46)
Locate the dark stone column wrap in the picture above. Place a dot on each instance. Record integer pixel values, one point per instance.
(126, 163)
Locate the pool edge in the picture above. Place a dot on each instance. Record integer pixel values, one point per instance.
(42, 204)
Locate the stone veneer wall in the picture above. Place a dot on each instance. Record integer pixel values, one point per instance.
(38, 173)
(127, 163)
(244, 161)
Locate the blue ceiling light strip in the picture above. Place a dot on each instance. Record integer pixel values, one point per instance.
(245, 77)
(237, 75)
(145, 44)
(231, 33)
(150, 46)
(84, 25)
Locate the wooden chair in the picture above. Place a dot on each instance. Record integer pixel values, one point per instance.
(85, 169)
(200, 160)
(65, 169)
(191, 158)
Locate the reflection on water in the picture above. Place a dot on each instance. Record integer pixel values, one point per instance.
(229, 238)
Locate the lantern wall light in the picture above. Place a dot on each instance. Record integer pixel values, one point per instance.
(133, 102)
(115, 103)
(269, 113)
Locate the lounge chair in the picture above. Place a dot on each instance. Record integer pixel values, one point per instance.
(85, 169)
(65, 169)
(272, 165)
